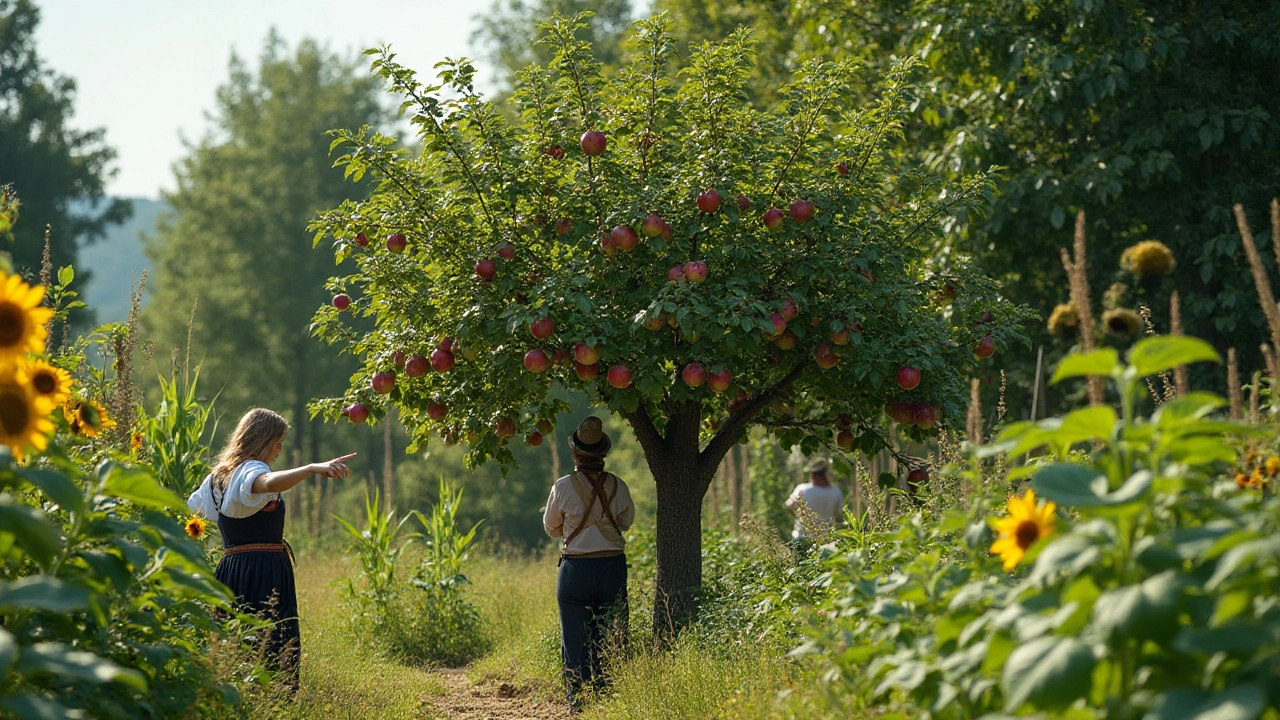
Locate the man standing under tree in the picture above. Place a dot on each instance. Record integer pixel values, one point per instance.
(817, 504)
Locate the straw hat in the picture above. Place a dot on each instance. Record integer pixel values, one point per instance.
(590, 438)
(818, 466)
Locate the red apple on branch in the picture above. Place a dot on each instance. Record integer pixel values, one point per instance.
(396, 243)
(825, 356)
(542, 328)
(446, 344)
(843, 169)
(654, 323)
(624, 238)
(917, 477)
(533, 439)
(441, 360)
(536, 361)
(652, 225)
(675, 273)
(844, 422)
(362, 240)
(342, 301)
(585, 354)
(415, 366)
(986, 347)
(926, 416)
(436, 410)
(398, 359)
(788, 310)
(786, 340)
(593, 143)
(505, 428)
(801, 211)
(486, 269)
(695, 271)
(773, 219)
(358, 413)
(908, 377)
(718, 382)
(779, 324)
(383, 382)
(844, 439)
(545, 427)
(560, 358)
(694, 374)
(586, 371)
(903, 413)
(709, 201)
(564, 226)
(620, 376)
(667, 231)
(840, 337)
(744, 203)
(506, 251)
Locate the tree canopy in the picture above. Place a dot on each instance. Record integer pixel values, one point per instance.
(60, 173)
(695, 262)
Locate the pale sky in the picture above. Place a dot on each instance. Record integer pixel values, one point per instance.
(146, 70)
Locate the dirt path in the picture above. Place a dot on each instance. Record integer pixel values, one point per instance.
(464, 700)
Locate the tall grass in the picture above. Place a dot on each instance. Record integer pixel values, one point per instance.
(516, 595)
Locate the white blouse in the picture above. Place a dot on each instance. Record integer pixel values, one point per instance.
(238, 500)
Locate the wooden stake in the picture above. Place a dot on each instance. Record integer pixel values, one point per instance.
(1254, 392)
(1035, 391)
(1233, 385)
(1181, 378)
(1260, 281)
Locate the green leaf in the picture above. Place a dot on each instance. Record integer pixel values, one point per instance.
(1072, 553)
(36, 707)
(1242, 702)
(42, 592)
(58, 487)
(1050, 672)
(1083, 487)
(58, 659)
(1091, 423)
(138, 486)
(1144, 611)
(66, 275)
(1236, 636)
(34, 532)
(1245, 554)
(1158, 354)
(1103, 362)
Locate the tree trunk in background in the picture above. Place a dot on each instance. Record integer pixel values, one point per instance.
(735, 489)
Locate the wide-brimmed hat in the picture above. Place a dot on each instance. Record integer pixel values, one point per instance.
(590, 438)
(818, 466)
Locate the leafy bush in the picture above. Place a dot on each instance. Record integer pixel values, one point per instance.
(426, 620)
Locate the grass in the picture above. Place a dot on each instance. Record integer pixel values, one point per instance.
(517, 599)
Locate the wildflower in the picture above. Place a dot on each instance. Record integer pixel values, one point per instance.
(1026, 524)
(1149, 258)
(1242, 481)
(1122, 322)
(24, 418)
(1114, 295)
(1273, 466)
(1063, 318)
(49, 382)
(1257, 480)
(86, 417)
(195, 527)
(135, 442)
(22, 320)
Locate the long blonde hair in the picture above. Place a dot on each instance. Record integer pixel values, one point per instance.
(256, 432)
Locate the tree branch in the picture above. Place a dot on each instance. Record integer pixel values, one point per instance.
(738, 422)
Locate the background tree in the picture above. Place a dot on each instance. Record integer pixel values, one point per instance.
(60, 173)
(236, 243)
(513, 266)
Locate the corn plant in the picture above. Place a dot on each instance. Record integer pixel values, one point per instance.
(172, 439)
(446, 544)
(376, 547)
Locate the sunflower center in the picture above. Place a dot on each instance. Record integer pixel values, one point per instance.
(89, 416)
(15, 412)
(1027, 534)
(44, 382)
(13, 324)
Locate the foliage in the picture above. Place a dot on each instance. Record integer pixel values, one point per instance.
(53, 166)
(172, 439)
(1158, 597)
(234, 250)
(426, 620)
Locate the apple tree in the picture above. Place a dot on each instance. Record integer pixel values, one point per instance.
(696, 264)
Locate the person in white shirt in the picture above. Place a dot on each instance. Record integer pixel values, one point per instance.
(824, 503)
(246, 498)
(589, 509)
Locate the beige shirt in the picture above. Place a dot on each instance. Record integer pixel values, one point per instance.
(565, 513)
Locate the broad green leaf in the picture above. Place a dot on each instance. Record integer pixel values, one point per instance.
(1242, 702)
(66, 275)
(42, 592)
(1091, 423)
(1071, 553)
(1049, 672)
(1185, 407)
(1083, 487)
(37, 707)
(1237, 636)
(58, 659)
(34, 532)
(1158, 354)
(1266, 550)
(1098, 362)
(138, 486)
(1143, 611)
(58, 487)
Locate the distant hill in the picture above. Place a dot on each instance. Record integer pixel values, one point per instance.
(117, 261)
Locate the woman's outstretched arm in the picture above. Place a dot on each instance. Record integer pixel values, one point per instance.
(281, 480)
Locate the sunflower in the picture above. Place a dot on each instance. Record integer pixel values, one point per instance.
(22, 320)
(1025, 525)
(195, 527)
(86, 417)
(1242, 481)
(1149, 258)
(49, 382)
(24, 419)
(135, 441)
(1122, 322)
(1064, 318)
(1273, 466)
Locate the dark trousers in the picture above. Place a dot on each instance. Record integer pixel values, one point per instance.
(592, 593)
